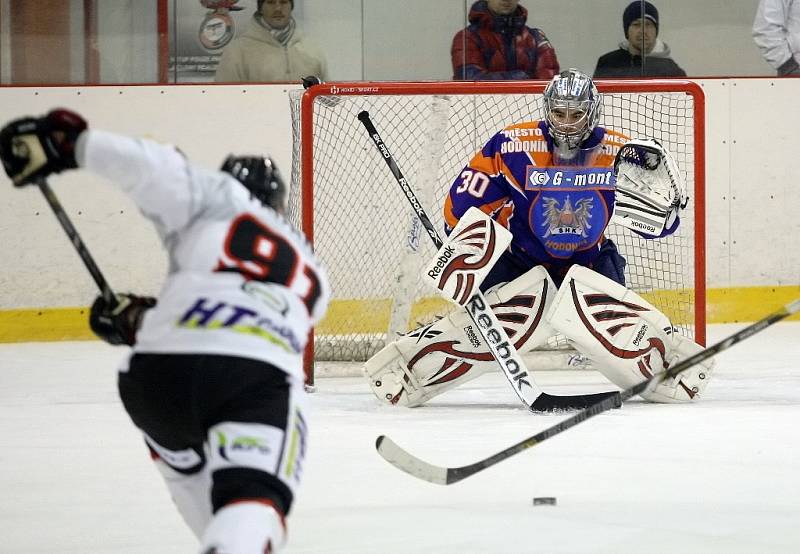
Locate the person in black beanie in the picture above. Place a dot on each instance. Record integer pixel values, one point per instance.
(642, 53)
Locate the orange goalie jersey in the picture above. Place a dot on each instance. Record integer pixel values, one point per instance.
(556, 210)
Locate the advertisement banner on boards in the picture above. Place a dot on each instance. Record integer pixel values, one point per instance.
(199, 31)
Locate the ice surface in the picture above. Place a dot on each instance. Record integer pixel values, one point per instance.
(722, 475)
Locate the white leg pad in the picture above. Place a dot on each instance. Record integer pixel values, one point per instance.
(627, 338)
(245, 527)
(450, 352)
(191, 494)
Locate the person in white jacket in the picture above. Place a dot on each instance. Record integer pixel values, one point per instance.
(776, 31)
(271, 49)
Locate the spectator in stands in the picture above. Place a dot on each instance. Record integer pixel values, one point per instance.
(271, 49)
(642, 53)
(499, 45)
(776, 31)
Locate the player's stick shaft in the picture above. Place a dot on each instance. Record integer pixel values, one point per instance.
(401, 180)
(77, 242)
(448, 475)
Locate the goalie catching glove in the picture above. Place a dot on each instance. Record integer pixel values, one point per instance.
(32, 148)
(650, 190)
(118, 324)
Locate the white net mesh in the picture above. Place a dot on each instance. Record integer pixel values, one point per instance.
(372, 245)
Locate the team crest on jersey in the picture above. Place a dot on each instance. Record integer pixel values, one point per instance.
(568, 222)
(568, 212)
(566, 219)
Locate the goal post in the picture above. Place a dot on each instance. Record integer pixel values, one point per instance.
(345, 200)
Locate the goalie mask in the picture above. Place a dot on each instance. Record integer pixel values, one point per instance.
(572, 110)
(261, 177)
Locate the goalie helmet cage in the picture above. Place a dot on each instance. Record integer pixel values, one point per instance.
(349, 206)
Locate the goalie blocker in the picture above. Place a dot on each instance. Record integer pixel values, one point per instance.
(467, 257)
(627, 339)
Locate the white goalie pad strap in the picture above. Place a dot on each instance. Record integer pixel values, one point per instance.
(467, 256)
(690, 384)
(627, 338)
(649, 187)
(449, 352)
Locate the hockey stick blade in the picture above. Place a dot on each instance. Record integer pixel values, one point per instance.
(421, 469)
(412, 465)
(548, 402)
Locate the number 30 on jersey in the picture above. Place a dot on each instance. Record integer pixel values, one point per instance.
(473, 182)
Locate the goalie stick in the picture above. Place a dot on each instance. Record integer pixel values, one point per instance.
(479, 311)
(438, 475)
(77, 242)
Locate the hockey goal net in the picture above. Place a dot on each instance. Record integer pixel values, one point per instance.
(348, 204)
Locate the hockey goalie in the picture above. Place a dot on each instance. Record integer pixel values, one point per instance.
(555, 184)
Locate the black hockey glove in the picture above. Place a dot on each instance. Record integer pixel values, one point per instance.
(35, 147)
(119, 325)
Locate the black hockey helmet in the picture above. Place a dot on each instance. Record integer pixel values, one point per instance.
(261, 177)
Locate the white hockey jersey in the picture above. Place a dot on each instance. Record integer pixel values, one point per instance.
(242, 281)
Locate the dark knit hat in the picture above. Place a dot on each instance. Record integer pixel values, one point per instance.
(639, 10)
(261, 3)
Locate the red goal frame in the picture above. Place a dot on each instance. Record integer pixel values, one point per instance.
(360, 88)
